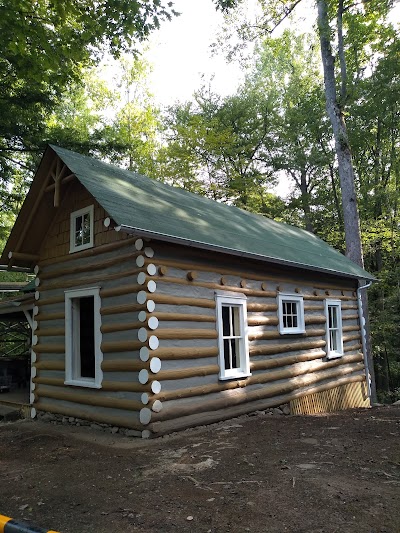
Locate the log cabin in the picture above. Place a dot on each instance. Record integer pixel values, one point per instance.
(156, 309)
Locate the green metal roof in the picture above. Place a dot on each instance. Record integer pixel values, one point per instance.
(149, 207)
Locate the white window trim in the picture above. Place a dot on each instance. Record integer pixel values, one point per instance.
(333, 354)
(71, 354)
(72, 246)
(239, 300)
(283, 297)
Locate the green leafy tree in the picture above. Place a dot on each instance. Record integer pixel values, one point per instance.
(44, 48)
(338, 23)
(215, 146)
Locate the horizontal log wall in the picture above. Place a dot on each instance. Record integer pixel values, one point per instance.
(159, 332)
(280, 365)
(116, 264)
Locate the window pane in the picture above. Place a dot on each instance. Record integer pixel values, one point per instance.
(332, 313)
(334, 340)
(86, 332)
(289, 314)
(235, 321)
(235, 353)
(78, 231)
(86, 228)
(227, 360)
(226, 329)
(82, 233)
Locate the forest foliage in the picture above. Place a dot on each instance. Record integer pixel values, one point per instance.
(233, 149)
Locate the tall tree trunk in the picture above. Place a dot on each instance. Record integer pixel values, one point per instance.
(345, 163)
(305, 201)
(342, 147)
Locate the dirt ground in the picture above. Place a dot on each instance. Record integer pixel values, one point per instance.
(262, 473)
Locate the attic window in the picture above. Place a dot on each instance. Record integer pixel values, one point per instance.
(81, 229)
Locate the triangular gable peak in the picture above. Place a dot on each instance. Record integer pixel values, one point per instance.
(45, 196)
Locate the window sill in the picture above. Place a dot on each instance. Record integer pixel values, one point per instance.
(300, 332)
(334, 355)
(80, 248)
(236, 376)
(82, 383)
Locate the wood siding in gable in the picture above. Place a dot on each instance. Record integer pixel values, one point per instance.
(57, 241)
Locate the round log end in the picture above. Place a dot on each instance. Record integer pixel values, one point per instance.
(162, 270)
(146, 434)
(142, 316)
(143, 376)
(151, 269)
(153, 322)
(155, 365)
(150, 306)
(154, 342)
(142, 334)
(141, 297)
(145, 398)
(139, 244)
(155, 387)
(141, 278)
(151, 286)
(140, 261)
(107, 222)
(148, 252)
(36, 270)
(157, 406)
(33, 412)
(145, 416)
(144, 354)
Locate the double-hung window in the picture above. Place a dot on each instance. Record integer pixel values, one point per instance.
(83, 354)
(81, 229)
(232, 336)
(290, 313)
(334, 335)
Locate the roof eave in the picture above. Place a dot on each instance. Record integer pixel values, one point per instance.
(215, 248)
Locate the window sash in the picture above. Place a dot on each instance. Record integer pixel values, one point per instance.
(232, 337)
(81, 229)
(290, 314)
(86, 373)
(334, 331)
